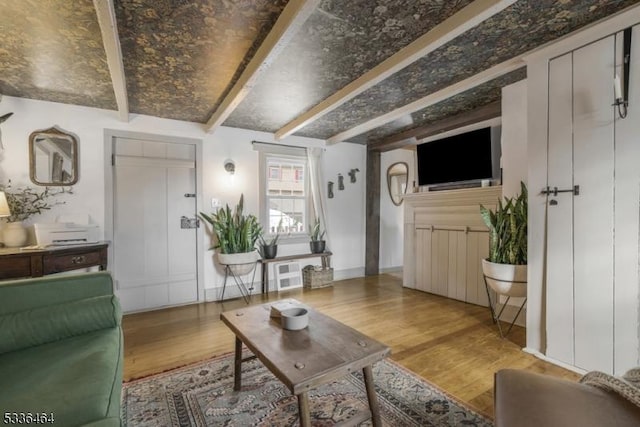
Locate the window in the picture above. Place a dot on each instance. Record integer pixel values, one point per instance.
(284, 194)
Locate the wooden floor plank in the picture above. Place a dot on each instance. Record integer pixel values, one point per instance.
(451, 344)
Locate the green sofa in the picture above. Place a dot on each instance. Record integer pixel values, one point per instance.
(61, 349)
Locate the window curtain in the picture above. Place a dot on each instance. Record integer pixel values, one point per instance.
(314, 159)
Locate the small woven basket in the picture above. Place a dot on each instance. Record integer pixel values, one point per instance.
(316, 277)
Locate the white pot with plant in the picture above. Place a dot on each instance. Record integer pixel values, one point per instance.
(316, 234)
(23, 203)
(235, 237)
(506, 269)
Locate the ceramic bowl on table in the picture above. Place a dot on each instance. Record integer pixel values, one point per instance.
(294, 319)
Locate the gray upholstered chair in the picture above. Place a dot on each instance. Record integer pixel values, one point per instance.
(526, 399)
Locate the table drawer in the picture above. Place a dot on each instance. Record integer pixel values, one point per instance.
(66, 262)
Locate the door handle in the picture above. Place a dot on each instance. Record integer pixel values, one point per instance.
(554, 191)
(553, 202)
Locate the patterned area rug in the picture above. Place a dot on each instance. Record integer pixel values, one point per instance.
(202, 395)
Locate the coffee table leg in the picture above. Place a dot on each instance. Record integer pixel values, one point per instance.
(303, 409)
(237, 372)
(371, 396)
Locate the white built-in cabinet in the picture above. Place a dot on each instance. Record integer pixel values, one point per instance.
(445, 241)
(592, 236)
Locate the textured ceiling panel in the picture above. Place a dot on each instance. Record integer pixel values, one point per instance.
(521, 27)
(464, 102)
(181, 57)
(52, 50)
(341, 41)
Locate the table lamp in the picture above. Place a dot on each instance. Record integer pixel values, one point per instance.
(4, 206)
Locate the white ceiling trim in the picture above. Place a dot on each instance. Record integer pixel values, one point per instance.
(431, 99)
(109, 29)
(293, 16)
(462, 21)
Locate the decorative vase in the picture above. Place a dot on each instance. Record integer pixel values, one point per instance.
(506, 279)
(14, 235)
(317, 246)
(240, 263)
(269, 251)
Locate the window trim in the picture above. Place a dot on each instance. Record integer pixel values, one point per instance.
(267, 150)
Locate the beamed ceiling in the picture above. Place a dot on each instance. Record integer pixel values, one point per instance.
(361, 71)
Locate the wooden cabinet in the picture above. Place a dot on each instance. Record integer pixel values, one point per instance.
(17, 263)
(445, 240)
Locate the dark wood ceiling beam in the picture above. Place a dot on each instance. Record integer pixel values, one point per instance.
(294, 15)
(108, 27)
(431, 99)
(413, 136)
(457, 24)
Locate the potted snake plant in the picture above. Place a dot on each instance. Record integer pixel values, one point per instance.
(506, 268)
(235, 236)
(316, 234)
(268, 248)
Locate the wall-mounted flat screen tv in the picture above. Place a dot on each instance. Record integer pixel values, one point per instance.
(464, 157)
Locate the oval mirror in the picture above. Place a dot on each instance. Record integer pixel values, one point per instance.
(397, 181)
(53, 157)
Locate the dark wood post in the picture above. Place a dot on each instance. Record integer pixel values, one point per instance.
(372, 227)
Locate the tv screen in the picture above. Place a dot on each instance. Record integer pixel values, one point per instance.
(463, 157)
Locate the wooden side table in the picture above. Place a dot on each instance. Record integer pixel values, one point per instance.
(17, 263)
(325, 256)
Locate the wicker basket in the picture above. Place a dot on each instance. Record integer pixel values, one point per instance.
(317, 277)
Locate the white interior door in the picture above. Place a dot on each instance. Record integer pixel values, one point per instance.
(155, 262)
(580, 227)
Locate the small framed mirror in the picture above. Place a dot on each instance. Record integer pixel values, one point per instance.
(53, 157)
(397, 181)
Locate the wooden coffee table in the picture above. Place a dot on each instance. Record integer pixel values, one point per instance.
(324, 351)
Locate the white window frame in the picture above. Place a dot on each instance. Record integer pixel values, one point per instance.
(266, 151)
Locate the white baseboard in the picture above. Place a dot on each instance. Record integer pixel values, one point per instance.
(564, 365)
(349, 273)
(232, 291)
(397, 269)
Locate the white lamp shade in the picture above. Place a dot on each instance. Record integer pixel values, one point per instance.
(4, 206)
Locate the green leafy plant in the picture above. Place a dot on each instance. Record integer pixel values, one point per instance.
(508, 229)
(314, 233)
(234, 231)
(25, 202)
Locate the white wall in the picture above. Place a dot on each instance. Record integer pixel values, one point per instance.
(346, 211)
(514, 137)
(392, 216)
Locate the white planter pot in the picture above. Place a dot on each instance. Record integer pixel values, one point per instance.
(242, 263)
(506, 279)
(14, 235)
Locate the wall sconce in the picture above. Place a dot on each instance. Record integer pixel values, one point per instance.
(230, 166)
(622, 92)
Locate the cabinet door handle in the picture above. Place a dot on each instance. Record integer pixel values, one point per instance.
(78, 259)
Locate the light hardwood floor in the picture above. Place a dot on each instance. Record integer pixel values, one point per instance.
(451, 344)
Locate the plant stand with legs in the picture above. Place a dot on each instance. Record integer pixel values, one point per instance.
(231, 270)
(492, 307)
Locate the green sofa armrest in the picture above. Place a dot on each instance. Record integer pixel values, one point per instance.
(25, 294)
(43, 325)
